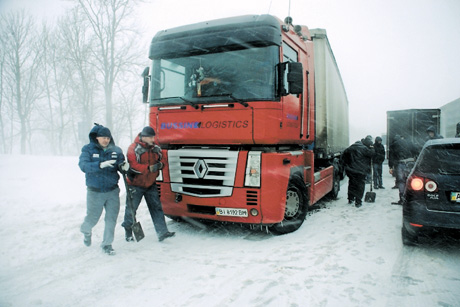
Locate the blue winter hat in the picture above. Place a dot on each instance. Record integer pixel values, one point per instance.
(104, 132)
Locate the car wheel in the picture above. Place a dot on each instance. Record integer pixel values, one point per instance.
(408, 238)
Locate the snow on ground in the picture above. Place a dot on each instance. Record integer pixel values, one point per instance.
(341, 256)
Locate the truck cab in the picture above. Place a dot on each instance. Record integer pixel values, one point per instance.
(233, 105)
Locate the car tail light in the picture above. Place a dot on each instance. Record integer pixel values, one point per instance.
(423, 184)
(431, 186)
(416, 183)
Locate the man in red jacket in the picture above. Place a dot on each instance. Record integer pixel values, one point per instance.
(145, 163)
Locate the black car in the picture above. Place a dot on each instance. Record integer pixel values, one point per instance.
(432, 195)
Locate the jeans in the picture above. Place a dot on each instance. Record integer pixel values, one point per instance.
(153, 204)
(378, 182)
(95, 203)
(356, 186)
(401, 177)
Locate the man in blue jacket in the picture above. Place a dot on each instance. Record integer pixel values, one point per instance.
(100, 160)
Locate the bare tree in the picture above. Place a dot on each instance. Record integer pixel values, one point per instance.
(114, 42)
(22, 61)
(2, 124)
(130, 112)
(77, 42)
(56, 80)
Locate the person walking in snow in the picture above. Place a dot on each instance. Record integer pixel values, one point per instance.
(144, 157)
(379, 157)
(356, 161)
(432, 134)
(404, 152)
(100, 160)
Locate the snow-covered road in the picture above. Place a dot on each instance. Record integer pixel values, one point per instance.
(341, 256)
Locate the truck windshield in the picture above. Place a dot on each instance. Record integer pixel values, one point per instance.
(246, 75)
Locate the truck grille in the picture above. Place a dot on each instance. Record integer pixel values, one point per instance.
(202, 172)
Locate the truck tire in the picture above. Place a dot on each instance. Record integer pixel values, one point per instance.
(296, 208)
(335, 186)
(175, 218)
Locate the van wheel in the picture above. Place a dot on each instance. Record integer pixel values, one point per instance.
(296, 208)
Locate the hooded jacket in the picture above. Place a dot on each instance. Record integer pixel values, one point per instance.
(356, 159)
(436, 135)
(457, 135)
(402, 150)
(379, 151)
(92, 154)
(140, 157)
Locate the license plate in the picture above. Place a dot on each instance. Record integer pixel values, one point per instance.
(232, 212)
(455, 196)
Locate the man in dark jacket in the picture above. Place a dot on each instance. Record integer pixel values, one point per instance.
(404, 152)
(432, 134)
(100, 160)
(379, 157)
(457, 134)
(356, 160)
(145, 162)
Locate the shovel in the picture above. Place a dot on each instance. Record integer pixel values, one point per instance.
(370, 196)
(136, 227)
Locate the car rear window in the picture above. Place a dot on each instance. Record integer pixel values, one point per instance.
(443, 159)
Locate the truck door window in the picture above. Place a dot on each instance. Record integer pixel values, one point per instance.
(289, 55)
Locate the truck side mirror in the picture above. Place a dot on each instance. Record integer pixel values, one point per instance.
(295, 78)
(145, 87)
(290, 78)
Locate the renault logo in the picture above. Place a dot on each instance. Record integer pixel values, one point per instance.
(200, 169)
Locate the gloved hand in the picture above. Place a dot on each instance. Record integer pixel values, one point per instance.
(157, 150)
(124, 166)
(108, 163)
(156, 167)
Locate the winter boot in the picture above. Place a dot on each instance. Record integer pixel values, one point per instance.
(166, 235)
(108, 250)
(129, 235)
(87, 239)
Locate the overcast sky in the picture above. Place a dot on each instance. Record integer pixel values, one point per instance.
(392, 54)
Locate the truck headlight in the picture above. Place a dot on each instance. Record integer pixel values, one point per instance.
(160, 175)
(253, 169)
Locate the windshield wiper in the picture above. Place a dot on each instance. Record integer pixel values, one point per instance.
(229, 95)
(189, 102)
(245, 104)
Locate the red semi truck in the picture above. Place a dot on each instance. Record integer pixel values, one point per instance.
(252, 117)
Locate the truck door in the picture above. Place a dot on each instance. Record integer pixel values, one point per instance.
(292, 113)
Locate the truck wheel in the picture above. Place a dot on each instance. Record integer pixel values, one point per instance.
(296, 208)
(335, 186)
(175, 218)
